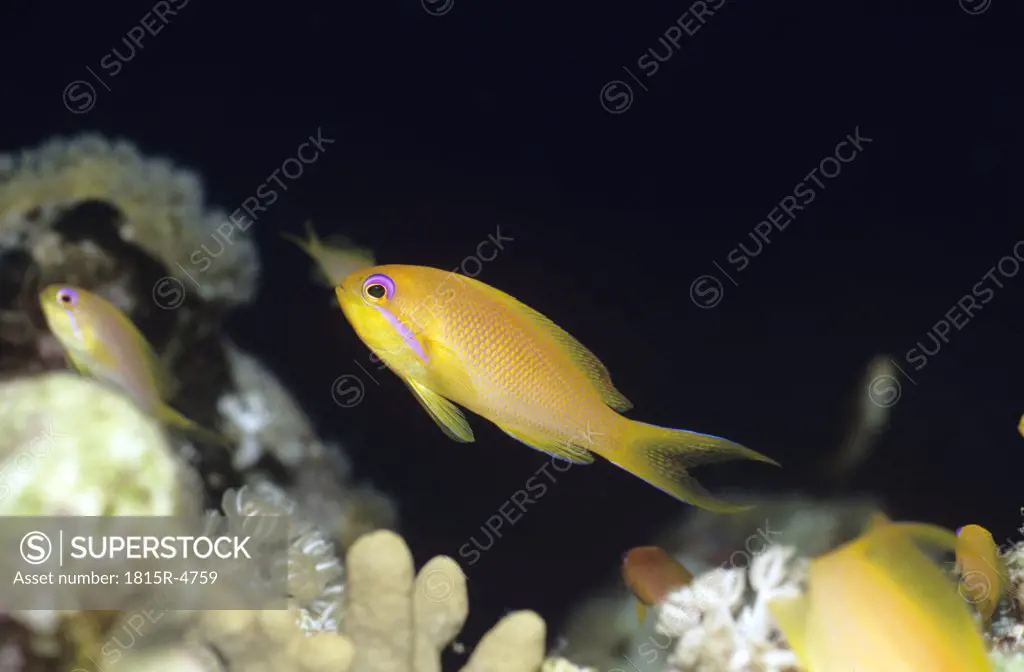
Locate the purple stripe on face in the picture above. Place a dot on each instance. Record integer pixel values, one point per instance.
(74, 325)
(404, 332)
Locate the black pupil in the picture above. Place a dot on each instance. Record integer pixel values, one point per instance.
(376, 291)
(65, 298)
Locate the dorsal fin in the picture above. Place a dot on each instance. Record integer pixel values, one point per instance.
(584, 360)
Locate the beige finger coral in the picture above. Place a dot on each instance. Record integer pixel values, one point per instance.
(394, 621)
(401, 624)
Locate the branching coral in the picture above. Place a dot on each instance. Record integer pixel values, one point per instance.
(1006, 637)
(315, 575)
(722, 618)
(394, 621)
(399, 624)
(262, 419)
(722, 621)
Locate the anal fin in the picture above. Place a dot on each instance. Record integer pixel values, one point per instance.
(560, 449)
(446, 414)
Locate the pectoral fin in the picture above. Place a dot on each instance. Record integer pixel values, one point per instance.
(446, 414)
(641, 612)
(560, 449)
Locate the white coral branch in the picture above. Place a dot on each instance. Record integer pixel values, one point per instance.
(723, 626)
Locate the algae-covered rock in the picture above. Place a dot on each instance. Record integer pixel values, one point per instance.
(70, 446)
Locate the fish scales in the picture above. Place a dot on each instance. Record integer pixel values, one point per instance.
(520, 377)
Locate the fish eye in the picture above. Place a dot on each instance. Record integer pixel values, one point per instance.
(379, 286)
(67, 297)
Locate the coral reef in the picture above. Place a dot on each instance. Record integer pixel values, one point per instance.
(161, 211)
(1006, 636)
(721, 620)
(261, 417)
(97, 213)
(394, 621)
(604, 631)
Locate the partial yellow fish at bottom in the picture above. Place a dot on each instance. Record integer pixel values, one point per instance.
(878, 603)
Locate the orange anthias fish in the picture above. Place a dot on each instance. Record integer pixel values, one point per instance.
(334, 261)
(984, 575)
(100, 342)
(452, 338)
(879, 603)
(650, 574)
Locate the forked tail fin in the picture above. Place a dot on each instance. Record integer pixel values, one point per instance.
(663, 456)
